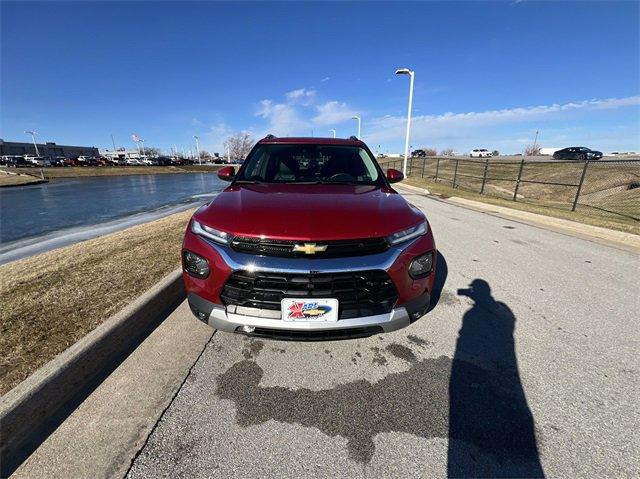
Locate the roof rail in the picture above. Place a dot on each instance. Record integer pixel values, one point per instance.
(354, 138)
(269, 137)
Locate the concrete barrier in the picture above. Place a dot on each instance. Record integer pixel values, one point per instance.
(34, 408)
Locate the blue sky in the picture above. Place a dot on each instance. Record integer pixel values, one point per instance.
(487, 74)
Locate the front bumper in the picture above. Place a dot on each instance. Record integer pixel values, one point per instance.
(205, 294)
(219, 318)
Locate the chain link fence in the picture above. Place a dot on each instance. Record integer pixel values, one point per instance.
(602, 188)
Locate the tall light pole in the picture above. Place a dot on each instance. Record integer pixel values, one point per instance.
(359, 121)
(198, 149)
(143, 153)
(334, 132)
(406, 71)
(33, 137)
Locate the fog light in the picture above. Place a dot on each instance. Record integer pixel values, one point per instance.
(195, 265)
(421, 266)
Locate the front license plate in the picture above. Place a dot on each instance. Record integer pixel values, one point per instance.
(307, 310)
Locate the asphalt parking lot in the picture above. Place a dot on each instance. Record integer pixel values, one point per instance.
(527, 366)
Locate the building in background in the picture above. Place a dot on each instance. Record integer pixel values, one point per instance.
(121, 154)
(49, 149)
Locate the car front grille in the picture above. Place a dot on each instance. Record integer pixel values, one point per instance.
(285, 248)
(359, 293)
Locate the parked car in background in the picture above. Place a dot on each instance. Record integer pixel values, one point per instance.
(38, 160)
(18, 162)
(71, 162)
(577, 153)
(418, 153)
(57, 161)
(480, 153)
(133, 162)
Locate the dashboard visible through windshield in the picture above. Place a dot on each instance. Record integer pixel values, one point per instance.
(313, 164)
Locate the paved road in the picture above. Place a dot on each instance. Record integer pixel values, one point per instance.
(527, 366)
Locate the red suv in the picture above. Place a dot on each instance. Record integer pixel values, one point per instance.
(309, 241)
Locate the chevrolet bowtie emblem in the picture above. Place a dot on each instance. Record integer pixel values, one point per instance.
(309, 248)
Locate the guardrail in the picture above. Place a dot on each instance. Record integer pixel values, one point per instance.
(603, 187)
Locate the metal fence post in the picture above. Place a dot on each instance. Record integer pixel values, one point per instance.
(455, 173)
(437, 168)
(424, 163)
(584, 172)
(484, 176)
(410, 166)
(515, 191)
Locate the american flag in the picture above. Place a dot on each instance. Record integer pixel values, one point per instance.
(135, 137)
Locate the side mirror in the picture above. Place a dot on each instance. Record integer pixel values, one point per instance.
(394, 175)
(228, 173)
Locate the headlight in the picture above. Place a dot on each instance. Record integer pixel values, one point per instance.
(211, 233)
(421, 266)
(195, 265)
(406, 235)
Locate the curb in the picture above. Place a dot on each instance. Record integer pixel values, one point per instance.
(38, 405)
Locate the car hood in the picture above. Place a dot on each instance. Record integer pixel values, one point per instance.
(309, 212)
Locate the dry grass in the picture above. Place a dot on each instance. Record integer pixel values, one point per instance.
(52, 300)
(584, 215)
(609, 197)
(18, 180)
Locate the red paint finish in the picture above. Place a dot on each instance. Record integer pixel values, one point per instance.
(309, 212)
(394, 175)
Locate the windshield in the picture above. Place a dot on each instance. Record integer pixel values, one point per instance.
(310, 164)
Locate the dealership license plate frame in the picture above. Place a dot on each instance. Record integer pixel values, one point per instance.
(329, 317)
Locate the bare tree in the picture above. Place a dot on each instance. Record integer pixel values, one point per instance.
(204, 154)
(151, 151)
(532, 150)
(430, 151)
(239, 145)
(447, 152)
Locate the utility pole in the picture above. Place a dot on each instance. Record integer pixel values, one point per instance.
(113, 142)
(334, 132)
(198, 149)
(535, 141)
(33, 137)
(406, 71)
(359, 124)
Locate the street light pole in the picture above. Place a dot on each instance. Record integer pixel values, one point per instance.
(198, 149)
(406, 71)
(334, 132)
(33, 137)
(359, 120)
(143, 153)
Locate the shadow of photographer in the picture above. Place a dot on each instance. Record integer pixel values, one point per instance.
(488, 412)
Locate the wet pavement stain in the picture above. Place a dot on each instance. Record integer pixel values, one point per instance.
(252, 350)
(418, 341)
(378, 357)
(509, 227)
(422, 401)
(402, 352)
